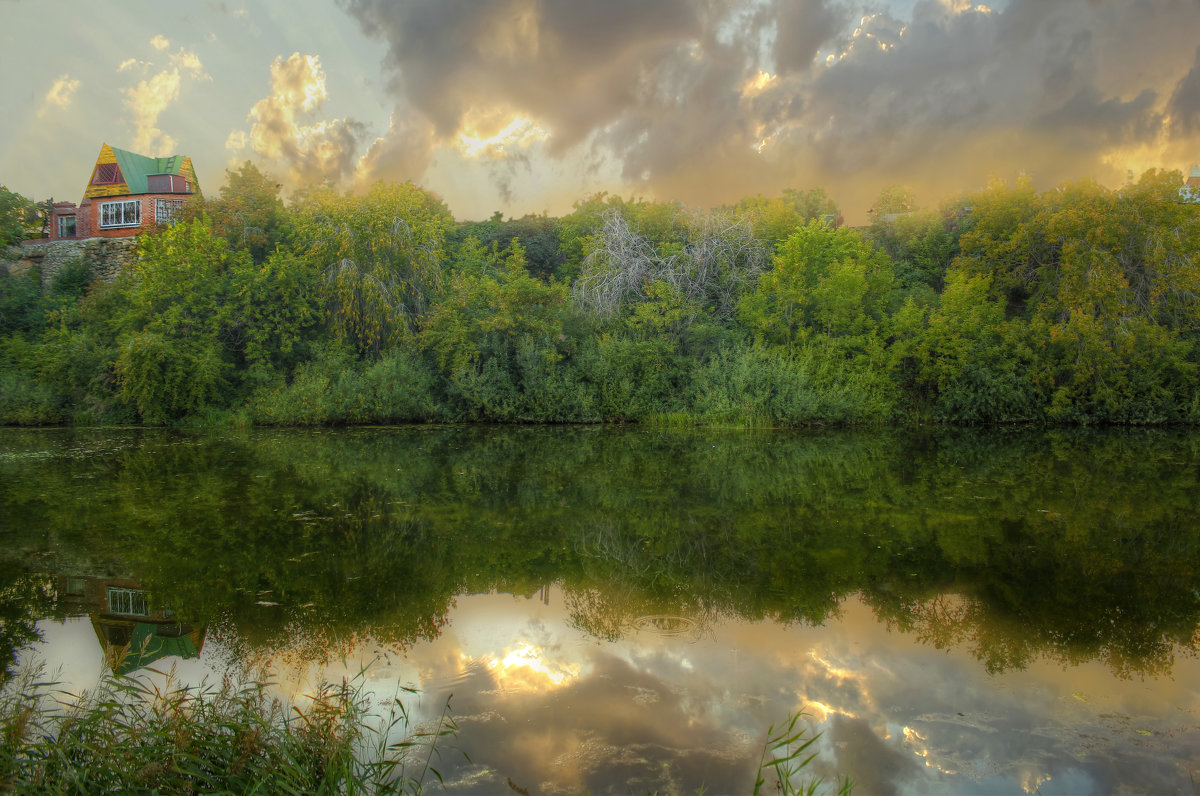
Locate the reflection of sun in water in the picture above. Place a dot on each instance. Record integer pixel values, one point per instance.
(919, 745)
(819, 711)
(527, 667)
(1032, 781)
(917, 742)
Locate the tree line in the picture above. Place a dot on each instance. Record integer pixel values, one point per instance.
(1078, 305)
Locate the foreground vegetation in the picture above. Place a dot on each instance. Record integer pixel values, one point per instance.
(1075, 306)
(131, 735)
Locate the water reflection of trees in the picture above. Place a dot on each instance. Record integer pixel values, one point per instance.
(1015, 544)
(25, 597)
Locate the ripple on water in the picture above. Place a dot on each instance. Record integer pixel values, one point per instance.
(665, 625)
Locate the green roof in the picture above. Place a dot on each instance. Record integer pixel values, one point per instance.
(147, 646)
(136, 168)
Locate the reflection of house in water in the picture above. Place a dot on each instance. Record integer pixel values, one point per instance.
(132, 633)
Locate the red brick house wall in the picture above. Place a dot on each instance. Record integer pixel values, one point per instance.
(90, 210)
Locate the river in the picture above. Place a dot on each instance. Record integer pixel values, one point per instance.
(613, 610)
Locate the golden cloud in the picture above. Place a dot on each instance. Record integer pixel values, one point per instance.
(61, 92)
(189, 61)
(132, 63)
(145, 102)
(236, 140)
(322, 150)
(495, 135)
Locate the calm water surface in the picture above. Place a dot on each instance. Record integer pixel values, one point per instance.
(628, 610)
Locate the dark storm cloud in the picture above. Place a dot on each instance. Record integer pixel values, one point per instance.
(574, 65)
(709, 100)
(801, 28)
(1089, 118)
(1185, 102)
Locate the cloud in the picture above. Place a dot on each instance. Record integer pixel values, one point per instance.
(133, 63)
(149, 98)
(672, 92)
(189, 62)
(236, 141)
(312, 152)
(402, 153)
(223, 8)
(1184, 107)
(145, 102)
(60, 95)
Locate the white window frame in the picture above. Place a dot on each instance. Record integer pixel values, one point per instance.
(62, 226)
(125, 213)
(167, 211)
(127, 602)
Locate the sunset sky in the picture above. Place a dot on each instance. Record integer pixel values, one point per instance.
(528, 105)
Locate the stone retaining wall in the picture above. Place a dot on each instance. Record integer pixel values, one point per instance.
(106, 257)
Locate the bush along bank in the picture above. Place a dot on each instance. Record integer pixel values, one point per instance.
(1075, 306)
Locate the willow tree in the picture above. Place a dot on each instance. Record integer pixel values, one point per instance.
(382, 256)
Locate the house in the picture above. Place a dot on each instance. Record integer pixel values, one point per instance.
(132, 632)
(127, 194)
(1190, 192)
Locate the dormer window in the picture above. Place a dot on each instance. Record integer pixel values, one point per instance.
(166, 183)
(106, 174)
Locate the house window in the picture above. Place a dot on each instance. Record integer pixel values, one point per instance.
(130, 602)
(66, 226)
(75, 587)
(167, 211)
(121, 214)
(106, 174)
(166, 183)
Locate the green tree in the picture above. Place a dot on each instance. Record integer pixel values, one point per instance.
(181, 326)
(824, 281)
(249, 213)
(536, 234)
(775, 218)
(495, 338)
(278, 313)
(16, 215)
(382, 256)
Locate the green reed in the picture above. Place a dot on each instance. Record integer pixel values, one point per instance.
(142, 734)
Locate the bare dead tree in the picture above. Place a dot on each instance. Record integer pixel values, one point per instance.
(720, 260)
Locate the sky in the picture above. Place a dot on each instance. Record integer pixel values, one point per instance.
(526, 106)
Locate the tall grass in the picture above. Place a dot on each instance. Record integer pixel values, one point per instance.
(786, 754)
(136, 735)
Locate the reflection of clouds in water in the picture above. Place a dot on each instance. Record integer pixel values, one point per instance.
(559, 712)
(618, 727)
(898, 717)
